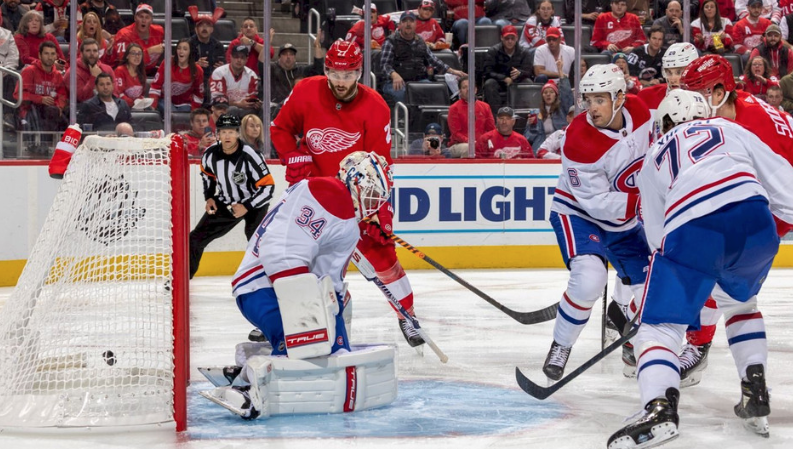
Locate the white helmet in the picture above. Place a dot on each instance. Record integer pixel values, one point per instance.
(680, 54)
(603, 78)
(681, 106)
(368, 178)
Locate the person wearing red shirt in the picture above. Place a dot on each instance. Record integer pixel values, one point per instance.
(249, 37)
(460, 25)
(88, 67)
(131, 83)
(337, 116)
(618, 30)
(149, 36)
(458, 121)
(748, 32)
(757, 77)
(43, 95)
(200, 137)
(187, 80)
(503, 142)
(382, 26)
(29, 37)
(428, 28)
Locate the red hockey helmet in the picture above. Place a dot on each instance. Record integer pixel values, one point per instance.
(344, 55)
(707, 72)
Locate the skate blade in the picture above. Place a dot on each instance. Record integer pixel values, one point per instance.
(691, 380)
(419, 350)
(662, 434)
(222, 403)
(758, 425)
(628, 371)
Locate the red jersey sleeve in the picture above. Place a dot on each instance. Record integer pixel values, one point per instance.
(156, 86)
(198, 87)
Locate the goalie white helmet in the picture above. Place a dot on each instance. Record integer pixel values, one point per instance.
(681, 106)
(368, 178)
(680, 54)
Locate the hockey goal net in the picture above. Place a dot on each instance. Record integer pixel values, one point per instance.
(95, 332)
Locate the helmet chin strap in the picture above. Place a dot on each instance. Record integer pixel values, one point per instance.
(614, 109)
(716, 107)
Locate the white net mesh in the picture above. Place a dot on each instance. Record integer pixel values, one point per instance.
(86, 338)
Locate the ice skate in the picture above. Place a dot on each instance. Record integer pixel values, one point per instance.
(237, 400)
(257, 336)
(693, 361)
(556, 361)
(657, 426)
(755, 405)
(628, 361)
(411, 335)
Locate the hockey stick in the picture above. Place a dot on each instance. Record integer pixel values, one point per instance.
(535, 317)
(543, 392)
(603, 319)
(422, 333)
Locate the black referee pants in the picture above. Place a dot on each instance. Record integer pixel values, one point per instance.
(212, 227)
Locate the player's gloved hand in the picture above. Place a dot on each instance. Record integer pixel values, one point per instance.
(380, 226)
(298, 166)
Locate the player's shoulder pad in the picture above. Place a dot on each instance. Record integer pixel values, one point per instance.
(333, 196)
(584, 143)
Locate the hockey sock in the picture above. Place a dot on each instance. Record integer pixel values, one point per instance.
(708, 318)
(747, 339)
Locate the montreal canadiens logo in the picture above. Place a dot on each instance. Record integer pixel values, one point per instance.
(625, 181)
(340, 340)
(594, 238)
(330, 140)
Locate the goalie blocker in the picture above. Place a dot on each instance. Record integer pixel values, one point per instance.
(361, 379)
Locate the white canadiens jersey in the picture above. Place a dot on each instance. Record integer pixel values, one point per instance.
(599, 168)
(312, 228)
(704, 165)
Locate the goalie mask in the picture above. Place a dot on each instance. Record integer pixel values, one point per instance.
(368, 178)
(680, 106)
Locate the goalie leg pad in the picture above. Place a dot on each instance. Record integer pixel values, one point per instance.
(309, 311)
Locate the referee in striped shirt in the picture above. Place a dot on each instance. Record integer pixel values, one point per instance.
(237, 186)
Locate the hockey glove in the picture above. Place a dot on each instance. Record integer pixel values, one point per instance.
(298, 166)
(380, 226)
(64, 151)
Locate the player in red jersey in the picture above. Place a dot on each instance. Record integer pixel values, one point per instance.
(712, 77)
(337, 116)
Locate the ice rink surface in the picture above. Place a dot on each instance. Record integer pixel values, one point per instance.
(472, 401)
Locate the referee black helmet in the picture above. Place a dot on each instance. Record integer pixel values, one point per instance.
(228, 121)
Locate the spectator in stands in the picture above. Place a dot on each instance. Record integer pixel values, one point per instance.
(786, 84)
(727, 10)
(503, 142)
(88, 68)
(219, 107)
(431, 145)
(458, 121)
(56, 18)
(552, 146)
(187, 80)
(590, 10)
(29, 37)
(770, 9)
(249, 37)
(508, 12)
(208, 52)
(757, 77)
(773, 96)
(710, 32)
(104, 111)
(9, 58)
(748, 32)
(236, 84)
(252, 134)
(200, 137)
(556, 101)
(144, 33)
(285, 73)
(124, 129)
(552, 59)
(631, 82)
(459, 11)
(645, 62)
(98, 7)
(536, 27)
(131, 83)
(693, 7)
(641, 8)
(11, 11)
(43, 94)
(382, 27)
(772, 50)
(406, 58)
(91, 27)
(618, 30)
(672, 24)
(113, 22)
(428, 28)
(505, 63)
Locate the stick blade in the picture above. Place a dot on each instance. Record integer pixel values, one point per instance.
(535, 317)
(531, 388)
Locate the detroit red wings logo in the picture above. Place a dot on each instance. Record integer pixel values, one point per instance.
(330, 140)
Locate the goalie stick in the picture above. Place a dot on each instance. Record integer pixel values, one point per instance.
(534, 317)
(543, 392)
